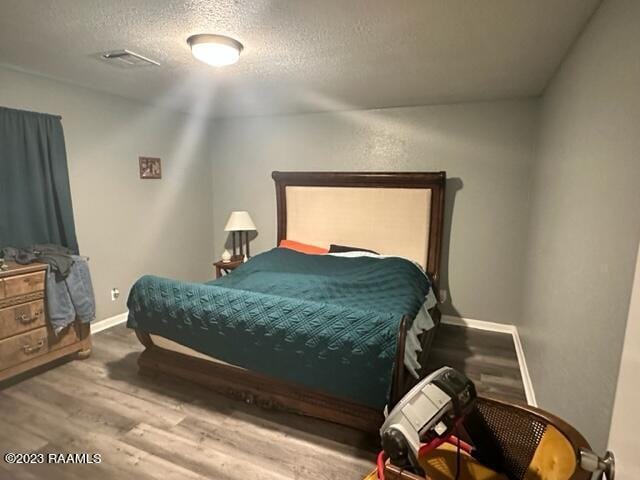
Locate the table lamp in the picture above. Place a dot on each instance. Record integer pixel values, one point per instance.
(240, 222)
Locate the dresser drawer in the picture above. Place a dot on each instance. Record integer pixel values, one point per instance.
(23, 284)
(23, 347)
(21, 318)
(32, 344)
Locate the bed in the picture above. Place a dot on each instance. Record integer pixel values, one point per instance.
(336, 337)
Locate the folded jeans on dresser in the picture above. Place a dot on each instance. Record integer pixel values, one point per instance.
(71, 297)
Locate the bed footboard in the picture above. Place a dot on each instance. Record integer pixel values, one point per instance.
(254, 388)
(272, 393)
(402, 381)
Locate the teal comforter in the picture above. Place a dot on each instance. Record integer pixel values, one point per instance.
(325, 322)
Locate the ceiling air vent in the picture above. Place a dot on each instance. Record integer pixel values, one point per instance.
(127, 59)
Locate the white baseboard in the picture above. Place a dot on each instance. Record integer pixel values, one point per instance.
(501, 328)
(108, 322)
(524, 370)
(478, 324)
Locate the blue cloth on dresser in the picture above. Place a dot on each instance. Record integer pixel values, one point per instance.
(325, 322)
(70, 297)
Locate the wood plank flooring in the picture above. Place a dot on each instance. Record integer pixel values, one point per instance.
(488, 358)
(165, 428)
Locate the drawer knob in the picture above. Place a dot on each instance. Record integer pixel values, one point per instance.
(33, 348)
(24, 318)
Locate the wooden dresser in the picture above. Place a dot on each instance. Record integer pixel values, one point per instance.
(26, 337)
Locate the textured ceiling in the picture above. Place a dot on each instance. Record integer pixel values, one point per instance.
(300, 55)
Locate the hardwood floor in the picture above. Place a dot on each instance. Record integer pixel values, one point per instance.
(488, 358)
(150, 428)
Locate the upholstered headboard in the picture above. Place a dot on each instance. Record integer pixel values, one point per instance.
(391, 213)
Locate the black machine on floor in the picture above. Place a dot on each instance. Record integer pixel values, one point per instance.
(428, 414)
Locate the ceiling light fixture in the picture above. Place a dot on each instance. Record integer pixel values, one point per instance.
(215, 50)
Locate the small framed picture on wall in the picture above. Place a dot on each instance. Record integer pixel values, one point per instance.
(150, 167)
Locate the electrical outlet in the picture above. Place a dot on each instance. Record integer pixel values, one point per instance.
(115, 293)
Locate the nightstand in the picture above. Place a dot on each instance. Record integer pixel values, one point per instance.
(226, 267)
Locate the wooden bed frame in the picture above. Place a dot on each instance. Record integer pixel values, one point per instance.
(268, 392)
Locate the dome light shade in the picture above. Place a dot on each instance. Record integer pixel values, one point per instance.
(215, 50)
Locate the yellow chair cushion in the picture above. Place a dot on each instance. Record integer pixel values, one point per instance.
(372, 476)
(554, 459)
(441, 465)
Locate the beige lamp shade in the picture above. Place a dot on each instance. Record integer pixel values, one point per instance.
(239, 221)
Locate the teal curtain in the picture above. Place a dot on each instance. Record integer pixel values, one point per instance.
(35, 197)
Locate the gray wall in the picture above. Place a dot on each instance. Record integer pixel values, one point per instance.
(585, 222)
(487, 148)
(128, 226)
